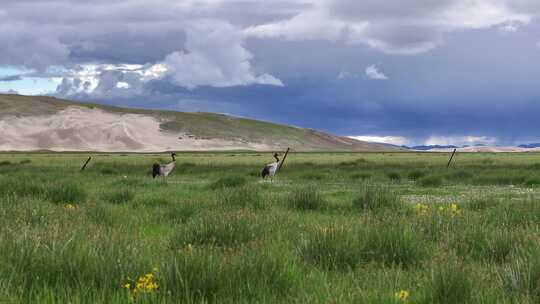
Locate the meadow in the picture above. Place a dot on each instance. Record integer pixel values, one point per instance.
(330, 228)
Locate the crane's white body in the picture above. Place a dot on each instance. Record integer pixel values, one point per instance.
(272, 168)
(164, 170)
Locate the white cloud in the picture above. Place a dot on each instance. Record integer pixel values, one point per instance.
(394, 140)
(509, 28)
(100, 80)
(122, 85)
(214, 56)
(343, 74)
(396, 28)
(373, 72)
(460, 140)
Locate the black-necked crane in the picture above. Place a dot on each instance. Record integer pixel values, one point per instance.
(164, 170)
(272, 168)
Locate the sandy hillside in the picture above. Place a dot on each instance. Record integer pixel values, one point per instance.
(91, 129)
(30, 123)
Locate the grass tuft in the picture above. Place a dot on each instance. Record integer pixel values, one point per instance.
(120, 196)
(393, 176)
(521, 277)
(375, 198)
(66, 193)
(416, 174)
(228, 230)
(230, 181)
(448, 284)
(361, 176)
(344, 249)
(430, 181)
(306, 198)
(244, 197)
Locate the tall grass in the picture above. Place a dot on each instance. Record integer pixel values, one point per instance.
(306, 198)
(243, 197)
(119, 196)
(66, 193)
(229, 182)
(228, 230)
(373, 198)
(343, 248)
(449, 283)
(520, 278)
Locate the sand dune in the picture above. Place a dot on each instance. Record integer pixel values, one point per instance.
(91, 129)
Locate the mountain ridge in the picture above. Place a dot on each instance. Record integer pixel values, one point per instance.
(29, 123)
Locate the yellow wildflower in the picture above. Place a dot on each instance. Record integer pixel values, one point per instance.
(127, 286)
(402, 295)
(71, 207)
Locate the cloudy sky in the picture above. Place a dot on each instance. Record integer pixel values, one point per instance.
(399, 71)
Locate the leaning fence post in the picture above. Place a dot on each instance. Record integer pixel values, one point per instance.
(86, 163)
(451, 157)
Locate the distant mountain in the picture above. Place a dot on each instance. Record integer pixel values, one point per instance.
(30, 123)
(530, 146)
(430, 147)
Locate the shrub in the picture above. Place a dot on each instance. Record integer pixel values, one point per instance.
(484, 244)
(181, 213)
(393, 245)
(448, 284)
(244, 197)
(119, 196)
(521, 277)
(462, 174)
(229, 182)
(360, 176)
(353, 163)
(416, 174)
(502, 179)
(431, 181)
(23, 187)
(153, 201)
(481, 203)
(332, 248)
(313, 176)
(5, 163)
(229, 230)
(393, 176)
(25, 161)
(66, 193)
(308, 198)
(339, 248)
(376, 198)
(108, 171)
(531, 182)
(252, 276)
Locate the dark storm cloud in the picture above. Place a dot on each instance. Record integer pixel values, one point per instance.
(10, 78)
(280, 60)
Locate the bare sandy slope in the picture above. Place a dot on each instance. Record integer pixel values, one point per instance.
(91, 129)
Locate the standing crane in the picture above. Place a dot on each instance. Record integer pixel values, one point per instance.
(272, 168)
(164, 170)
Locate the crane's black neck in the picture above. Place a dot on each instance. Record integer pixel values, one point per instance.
(173, 157)
(276, 157)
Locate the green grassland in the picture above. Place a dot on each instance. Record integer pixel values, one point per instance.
(330, 228)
